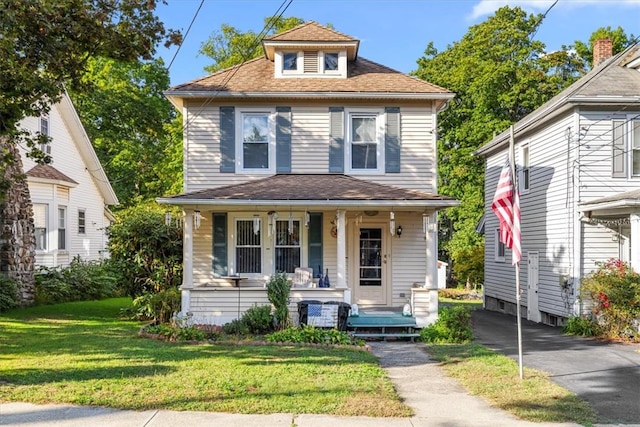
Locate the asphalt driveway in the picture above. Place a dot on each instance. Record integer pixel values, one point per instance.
(607, 375)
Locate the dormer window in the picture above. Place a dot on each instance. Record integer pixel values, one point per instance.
(330, 62)
(290, 61)
(310, 63)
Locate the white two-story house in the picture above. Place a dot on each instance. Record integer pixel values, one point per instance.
(578, 162)
(71, 195)
(309, 157)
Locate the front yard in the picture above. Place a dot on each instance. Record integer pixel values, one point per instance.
(81, 353)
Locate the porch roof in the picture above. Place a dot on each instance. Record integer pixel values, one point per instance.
(618, 203)
(334, 190)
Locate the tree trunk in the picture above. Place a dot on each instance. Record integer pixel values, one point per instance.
(17, 231)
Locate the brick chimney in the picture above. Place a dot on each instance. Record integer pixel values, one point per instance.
(602, 49)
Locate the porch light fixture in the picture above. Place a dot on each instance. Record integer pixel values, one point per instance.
(256, 225)
(167, 218)
(427, 225)
(392, 223)
(399, 231)
(197, 217)
(307, 219)
(290, 229)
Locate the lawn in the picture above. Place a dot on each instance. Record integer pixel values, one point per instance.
(81, 353)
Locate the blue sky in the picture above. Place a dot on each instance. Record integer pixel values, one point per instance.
(391, 32)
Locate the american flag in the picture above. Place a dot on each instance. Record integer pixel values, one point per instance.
(506, 206)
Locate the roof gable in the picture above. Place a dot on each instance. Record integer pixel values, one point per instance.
(311, 31)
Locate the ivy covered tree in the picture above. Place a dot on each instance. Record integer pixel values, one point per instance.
(499, 73)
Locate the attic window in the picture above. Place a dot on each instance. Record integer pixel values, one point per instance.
(290, 61)
(310, 61)
(330, 61)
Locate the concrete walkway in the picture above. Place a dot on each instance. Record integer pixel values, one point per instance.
(607, 375)
(437, 400)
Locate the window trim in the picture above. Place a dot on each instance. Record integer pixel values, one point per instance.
(497, 256)
(82, 223)
(271, 143)
(380, 116)
(46, 227)
(524, 172)
(631, 134)
(64, 227)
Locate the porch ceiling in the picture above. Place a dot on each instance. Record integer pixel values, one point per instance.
(330, 190)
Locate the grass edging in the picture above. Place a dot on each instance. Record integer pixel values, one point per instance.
(495, 378)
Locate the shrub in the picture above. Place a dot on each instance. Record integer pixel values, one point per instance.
(258, 319)
(613, 291)
(158, 307)
(235, 327)
(175, 333)
(146, 250)
(453, 326)
(584, 326)
(9, 294)
(80, 281)
(278, 290)
(312, 335)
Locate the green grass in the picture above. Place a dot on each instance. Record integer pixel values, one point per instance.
(495, 378)
(81, 353)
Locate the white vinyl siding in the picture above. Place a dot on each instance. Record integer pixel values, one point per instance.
(84, 194)
(309, 147)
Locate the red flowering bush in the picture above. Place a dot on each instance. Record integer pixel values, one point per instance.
(613, 291)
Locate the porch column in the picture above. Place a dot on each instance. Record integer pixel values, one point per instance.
(187, 261)
(634, 219)
(341, 253)
(431, 258)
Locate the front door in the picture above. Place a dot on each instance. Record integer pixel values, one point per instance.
(371, 267)
(533, 312)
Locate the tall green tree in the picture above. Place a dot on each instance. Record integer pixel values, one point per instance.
(230, 46)
(45, 44)
(499, 74)
(134, 129)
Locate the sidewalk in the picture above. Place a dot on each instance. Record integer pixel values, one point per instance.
(437, 400)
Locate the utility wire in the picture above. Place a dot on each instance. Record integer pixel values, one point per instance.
(185, 35)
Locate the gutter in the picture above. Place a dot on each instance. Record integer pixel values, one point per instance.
(320, 203)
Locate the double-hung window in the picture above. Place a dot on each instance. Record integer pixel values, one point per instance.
(82, 222)
(40, 217)
(248, 246)
(255, 151)
(635, 144)
(499, 247)
(625, 152)
(523, 177)
(62, 227)
(365, 141)
(287, 245)
(44, 131)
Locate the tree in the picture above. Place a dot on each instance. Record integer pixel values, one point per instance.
(499, 74)
(46, 44)
(230, 46)
(134, 129)
(618, 36)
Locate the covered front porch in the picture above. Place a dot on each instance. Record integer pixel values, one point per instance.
(369, 244)
(621, 214)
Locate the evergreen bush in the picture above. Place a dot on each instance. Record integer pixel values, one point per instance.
(9, 294)
(453, 326)
(278, 292)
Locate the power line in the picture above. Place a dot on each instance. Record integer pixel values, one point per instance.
(185, 35)
(544, 15)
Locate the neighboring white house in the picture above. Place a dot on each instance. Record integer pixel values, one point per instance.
(71, 195)
(578, 163)
(309, 156)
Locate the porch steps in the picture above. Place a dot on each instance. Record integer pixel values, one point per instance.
(377, 325)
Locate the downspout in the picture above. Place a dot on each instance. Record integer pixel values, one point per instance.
(576, 265)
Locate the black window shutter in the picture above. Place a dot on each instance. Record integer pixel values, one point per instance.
(392, 140)
(618, 158)
(283, 139)
(220, 264)
(227, 140)
(336, 139)
(315, 243)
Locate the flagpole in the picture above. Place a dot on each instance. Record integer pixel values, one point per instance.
(517, 265)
